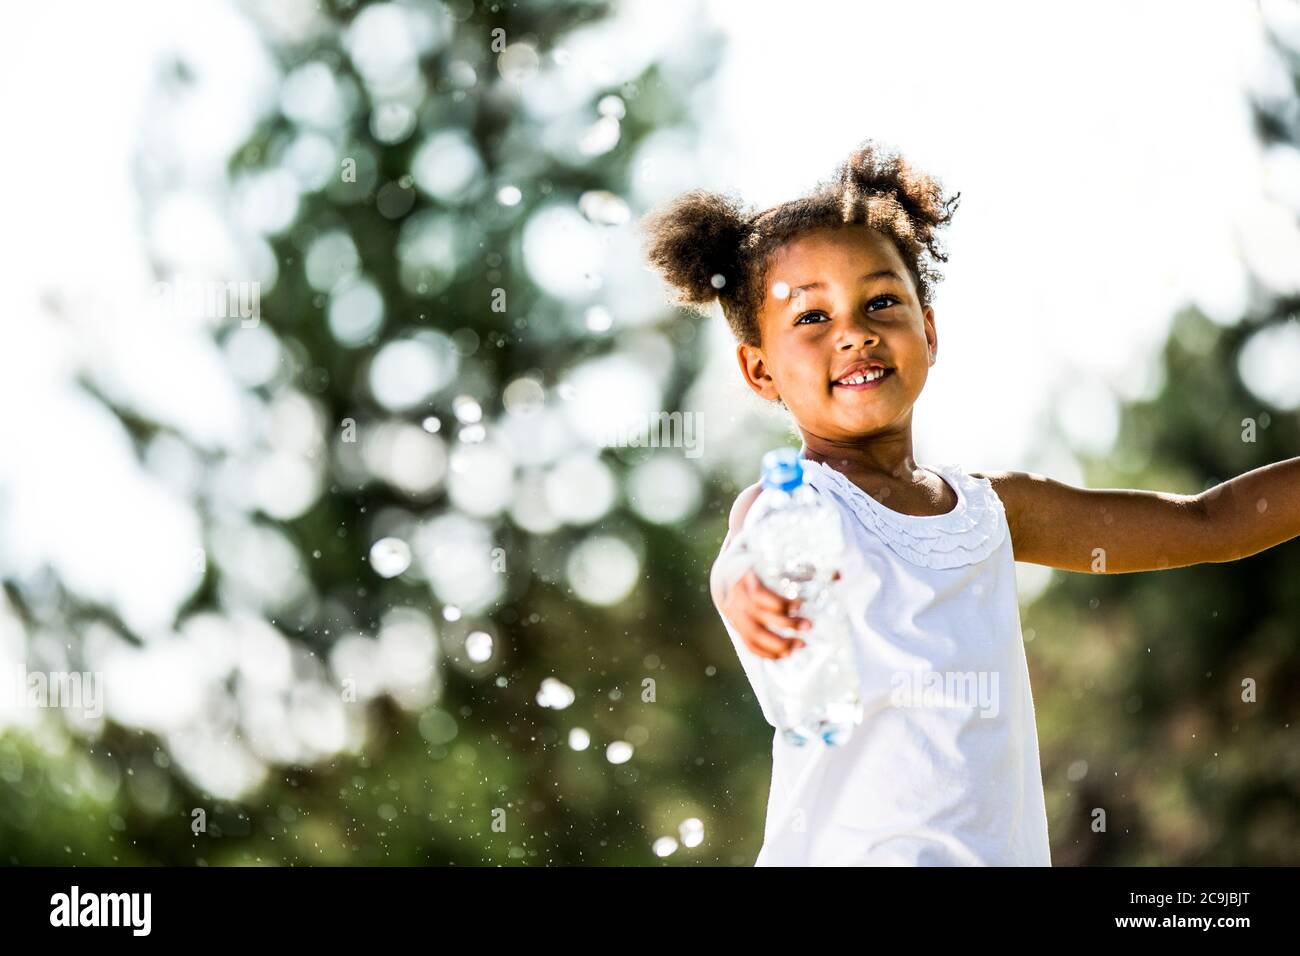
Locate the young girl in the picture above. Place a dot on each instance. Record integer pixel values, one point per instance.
(829, 299)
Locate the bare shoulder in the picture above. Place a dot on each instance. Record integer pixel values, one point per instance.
(1009, 480)
(1014, 489)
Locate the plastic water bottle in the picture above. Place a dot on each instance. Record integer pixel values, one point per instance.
(798, 543)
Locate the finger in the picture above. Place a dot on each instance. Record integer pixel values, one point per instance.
(780, 644)
(761, 596)
(740, 615)
(761, 646)
(760, 642)
(779, 624)
(763, 642)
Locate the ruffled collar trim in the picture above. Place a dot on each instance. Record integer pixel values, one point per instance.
(972, 531)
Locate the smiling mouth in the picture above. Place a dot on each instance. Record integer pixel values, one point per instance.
(862, 383)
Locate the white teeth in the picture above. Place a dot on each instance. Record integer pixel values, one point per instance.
(871, 376)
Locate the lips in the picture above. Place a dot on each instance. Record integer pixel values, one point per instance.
(868, 385)
(863, 375)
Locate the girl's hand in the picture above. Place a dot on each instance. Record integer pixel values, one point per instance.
(748, 606)
(756, 612)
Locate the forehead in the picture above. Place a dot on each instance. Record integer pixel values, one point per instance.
(823, 254)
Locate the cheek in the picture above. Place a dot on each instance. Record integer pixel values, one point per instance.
(805, 369)
(912, 362)
(915, 351)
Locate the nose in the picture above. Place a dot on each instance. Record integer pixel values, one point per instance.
(856, 333)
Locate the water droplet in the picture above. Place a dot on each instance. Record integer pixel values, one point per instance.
(555, 694)
(523, 396)
(479, 646)
(665, 846)
(691, 831)
(390, 557)
(620, 751)
(604, 208)
(466, 409)
(518, 62)
(611, 105)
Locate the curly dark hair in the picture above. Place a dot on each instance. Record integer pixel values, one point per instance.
(711, 246)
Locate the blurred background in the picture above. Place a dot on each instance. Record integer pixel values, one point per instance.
(322, 316)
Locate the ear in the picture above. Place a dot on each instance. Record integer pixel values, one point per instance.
(931, 336)
(753, 366)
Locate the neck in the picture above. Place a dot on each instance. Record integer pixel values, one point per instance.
(887, 454)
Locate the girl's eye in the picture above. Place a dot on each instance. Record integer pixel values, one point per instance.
(888, 300)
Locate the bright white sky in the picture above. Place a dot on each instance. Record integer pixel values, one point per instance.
(1108, 174)
(75, 78)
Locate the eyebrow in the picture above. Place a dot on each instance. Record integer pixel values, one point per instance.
(865, 277)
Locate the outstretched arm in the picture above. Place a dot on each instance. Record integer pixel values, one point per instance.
(1113, 530)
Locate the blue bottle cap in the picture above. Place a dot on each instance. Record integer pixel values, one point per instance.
(782, 469)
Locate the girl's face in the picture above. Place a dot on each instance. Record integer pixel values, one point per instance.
(834, 300)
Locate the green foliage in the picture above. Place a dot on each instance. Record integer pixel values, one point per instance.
(1140, 676)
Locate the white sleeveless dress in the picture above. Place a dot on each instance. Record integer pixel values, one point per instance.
(944, 768)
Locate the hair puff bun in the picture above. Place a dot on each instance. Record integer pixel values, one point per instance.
(694, 242)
